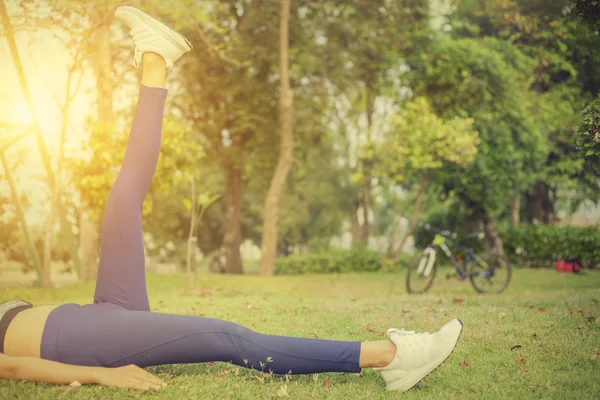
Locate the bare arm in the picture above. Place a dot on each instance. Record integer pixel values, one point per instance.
(39, 370)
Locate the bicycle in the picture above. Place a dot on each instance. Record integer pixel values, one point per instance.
(483, 275)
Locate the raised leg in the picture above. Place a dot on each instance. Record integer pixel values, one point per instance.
(121, 272)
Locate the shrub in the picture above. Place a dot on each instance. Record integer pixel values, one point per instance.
(543, 245)
(588, 133)
(329, 261)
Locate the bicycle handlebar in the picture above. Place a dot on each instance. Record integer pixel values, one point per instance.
(450, 234)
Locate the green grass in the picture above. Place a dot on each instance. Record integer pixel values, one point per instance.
(553, 317)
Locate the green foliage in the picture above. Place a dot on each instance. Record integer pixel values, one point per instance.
(94, 177)
(419, 143)
(359, 259)
(588, 133)
(543, 245)
(589, 11)
(483, 80)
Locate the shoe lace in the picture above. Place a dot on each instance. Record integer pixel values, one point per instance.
(402, 332)
(137, 57)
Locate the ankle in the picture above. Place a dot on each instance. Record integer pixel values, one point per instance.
(387, 357)
(153, 61)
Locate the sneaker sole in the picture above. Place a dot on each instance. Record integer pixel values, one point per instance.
(409, 381)
(174, 37)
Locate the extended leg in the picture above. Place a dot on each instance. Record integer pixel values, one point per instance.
(121, 272)
(111, 336)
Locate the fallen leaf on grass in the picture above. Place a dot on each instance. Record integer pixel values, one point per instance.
(521, 361)
(283, 391)
(516, 347)
(328, 384)
(526, 370)
(463, 363)
(542, 309)
(456, 300)
(596, 356)
(501, 315)
(581, 326)
(222, 372)
(571, 310)
(74, 386)
(369, 328)
(314, 334)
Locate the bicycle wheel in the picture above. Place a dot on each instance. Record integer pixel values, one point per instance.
(492, 277)
(421, 272)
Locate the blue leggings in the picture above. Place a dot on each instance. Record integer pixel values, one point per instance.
(119, 329)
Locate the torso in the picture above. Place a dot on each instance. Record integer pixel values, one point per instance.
(24, 334)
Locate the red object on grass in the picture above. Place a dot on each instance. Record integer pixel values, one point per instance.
(568, 266)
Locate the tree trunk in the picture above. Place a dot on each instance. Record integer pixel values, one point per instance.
(364, 236)
(543, 204)
(370, 109)
(233, 221)
(89, 235)
(393, 234)
(493, 242)
(65, 225)
(286, 104)
(538, 202)
(55, 203)
(33, 254)
(191, 239)
(47, 263)
(355, 226)
(414, 217)
(515, 210)
(377, 231)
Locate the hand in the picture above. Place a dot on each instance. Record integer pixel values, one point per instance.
(130, 376)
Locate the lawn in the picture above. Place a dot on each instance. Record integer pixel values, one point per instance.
(540, 339)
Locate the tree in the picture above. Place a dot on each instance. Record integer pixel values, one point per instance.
(417, 149)
(286, 116)
(37, 131)
(563, 78)
(16, 202)
(483, 80)
(588, 134)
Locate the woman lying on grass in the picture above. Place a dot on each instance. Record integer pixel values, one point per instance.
(108, 342)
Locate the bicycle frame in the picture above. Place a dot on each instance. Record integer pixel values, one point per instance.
(445, 244)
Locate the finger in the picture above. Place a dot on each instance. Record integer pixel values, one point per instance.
(140, 386)
(152, 383)
(147, 376)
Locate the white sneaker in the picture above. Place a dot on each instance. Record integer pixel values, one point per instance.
(150, 35)
(418, 354)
